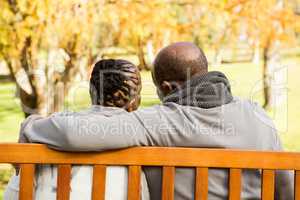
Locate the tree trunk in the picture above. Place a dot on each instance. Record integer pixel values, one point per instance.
(58, 97)
(141, 55)
(218, 56)
(29, 102)
(266, 79)
(43, 98)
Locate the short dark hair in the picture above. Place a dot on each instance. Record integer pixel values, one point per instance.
(178, 60)
(114, 82)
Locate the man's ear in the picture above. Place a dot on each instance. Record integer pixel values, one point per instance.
(166, 88)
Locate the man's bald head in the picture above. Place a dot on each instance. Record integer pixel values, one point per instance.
(177, 62)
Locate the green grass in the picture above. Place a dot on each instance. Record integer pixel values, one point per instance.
(10, 113)
(245, 79)
(5, 175)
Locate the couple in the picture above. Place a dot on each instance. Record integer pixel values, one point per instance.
(198, 110)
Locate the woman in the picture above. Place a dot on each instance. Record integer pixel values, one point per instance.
(115, 87)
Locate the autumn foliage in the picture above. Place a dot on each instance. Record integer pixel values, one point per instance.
(48, 44)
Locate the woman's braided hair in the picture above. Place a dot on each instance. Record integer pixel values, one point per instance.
(114, 83)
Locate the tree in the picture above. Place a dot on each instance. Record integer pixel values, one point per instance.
(33, 30)
(145, 23)
(269, 24)
(48, 44)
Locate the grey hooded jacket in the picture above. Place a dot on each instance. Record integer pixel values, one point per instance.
(240, 124)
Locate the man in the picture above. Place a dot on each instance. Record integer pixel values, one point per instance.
(198, 110)
(116, 86)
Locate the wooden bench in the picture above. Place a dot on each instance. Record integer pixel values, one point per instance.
(201, 159)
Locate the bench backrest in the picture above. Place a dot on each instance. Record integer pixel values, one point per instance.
(201, 159)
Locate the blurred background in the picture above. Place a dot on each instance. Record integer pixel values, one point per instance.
(47, 49)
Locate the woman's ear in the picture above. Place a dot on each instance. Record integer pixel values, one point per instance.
(134, 104)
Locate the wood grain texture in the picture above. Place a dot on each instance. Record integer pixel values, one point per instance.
(168, 181)
(235, 181)
(201, 184)
(153, 156)
(148, 156)
(268, 184)
(134, 183)
(63, 182)
(297, 185)
(26, 182)
(99, 176)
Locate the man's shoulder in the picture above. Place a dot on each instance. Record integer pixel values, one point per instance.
(257, 111)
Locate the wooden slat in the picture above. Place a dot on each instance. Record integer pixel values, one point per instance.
(297, 185)
(168, 182)
(268, 184)
(63, 182)
(147, 156)
(26, 182)
(134, 183)
(99, 176)
(201, 184)
(235, 184)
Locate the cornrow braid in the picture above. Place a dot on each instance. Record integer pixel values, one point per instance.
(114, 82)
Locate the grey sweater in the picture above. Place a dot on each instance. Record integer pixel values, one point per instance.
(240, 124)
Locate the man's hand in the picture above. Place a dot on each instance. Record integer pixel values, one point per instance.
(22, 138)
(27, 122)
